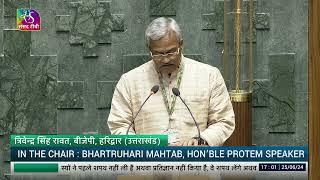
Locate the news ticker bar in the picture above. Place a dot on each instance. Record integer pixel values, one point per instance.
(147, 168)
(87, 140)
(178, 154)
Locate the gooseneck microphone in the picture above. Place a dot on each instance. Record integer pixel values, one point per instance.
(154, 90)
(176, 92)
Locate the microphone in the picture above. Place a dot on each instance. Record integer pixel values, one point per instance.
(154, 90)
(176, 92)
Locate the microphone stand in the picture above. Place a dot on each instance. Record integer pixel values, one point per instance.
(177, 93)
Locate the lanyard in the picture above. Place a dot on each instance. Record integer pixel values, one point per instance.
(170, 109)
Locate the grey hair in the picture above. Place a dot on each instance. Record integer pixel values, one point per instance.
(160, 27)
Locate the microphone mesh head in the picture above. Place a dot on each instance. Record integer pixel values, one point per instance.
(176, 91)
(155, 89)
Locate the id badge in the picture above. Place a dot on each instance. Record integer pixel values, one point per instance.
(173, 136)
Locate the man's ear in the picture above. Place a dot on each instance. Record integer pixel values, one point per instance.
(181, 44)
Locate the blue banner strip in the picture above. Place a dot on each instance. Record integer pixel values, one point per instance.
(223, 153)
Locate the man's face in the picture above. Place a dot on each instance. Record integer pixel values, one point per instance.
(159, 49)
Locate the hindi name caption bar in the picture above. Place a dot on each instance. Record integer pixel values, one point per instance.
(109, 141)
(84, 140)
(24, 140)
(142, 141)
(43, 140)
(61, 140)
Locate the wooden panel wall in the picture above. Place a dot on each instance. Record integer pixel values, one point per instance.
(314, 89)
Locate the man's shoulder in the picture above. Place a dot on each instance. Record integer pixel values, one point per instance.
(200, 66)
(139, 71)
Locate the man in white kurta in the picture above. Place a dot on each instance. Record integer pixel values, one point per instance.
(201, 86)
(203, 89)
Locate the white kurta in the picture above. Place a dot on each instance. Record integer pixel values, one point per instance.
(203, 89)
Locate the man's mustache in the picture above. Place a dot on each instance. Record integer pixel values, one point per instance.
(163, 65)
